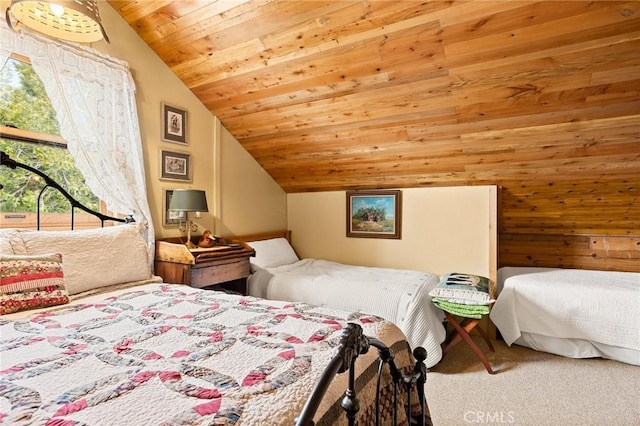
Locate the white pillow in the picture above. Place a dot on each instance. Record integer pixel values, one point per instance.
(7, 236)
(94, 258)
(272, 253)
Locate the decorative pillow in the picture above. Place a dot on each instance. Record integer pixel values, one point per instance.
(272, 253)
(95, 258)
(465, 289)
(29, 282)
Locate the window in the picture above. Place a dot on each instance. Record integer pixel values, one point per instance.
(30, 134)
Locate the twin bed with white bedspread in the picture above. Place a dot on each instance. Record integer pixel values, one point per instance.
(570, 312)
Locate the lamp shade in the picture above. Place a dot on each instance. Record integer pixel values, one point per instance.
(73, 20)
(188, 200)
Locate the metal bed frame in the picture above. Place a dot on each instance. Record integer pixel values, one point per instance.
(5, 160)
(352, 344)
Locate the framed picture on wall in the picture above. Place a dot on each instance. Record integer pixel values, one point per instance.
(174, 124)
(171, 218)
(374, 214)
(175, 166)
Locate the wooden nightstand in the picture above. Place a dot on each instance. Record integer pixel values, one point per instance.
(223, 266)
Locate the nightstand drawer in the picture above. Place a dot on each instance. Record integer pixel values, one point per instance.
(222, 272)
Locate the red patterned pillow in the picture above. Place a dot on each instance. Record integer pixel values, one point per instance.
(31, 281)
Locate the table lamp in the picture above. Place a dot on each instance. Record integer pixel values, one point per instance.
(189, 200)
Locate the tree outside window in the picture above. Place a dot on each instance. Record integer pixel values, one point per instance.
(31, 135)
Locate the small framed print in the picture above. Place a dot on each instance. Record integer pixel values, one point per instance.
(175, 166)
(174, 124)
(374, 214)
(171, 218)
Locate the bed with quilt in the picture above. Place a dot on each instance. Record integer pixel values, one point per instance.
(89, 348)
(399, 296)
(575, 313)
(89, 336)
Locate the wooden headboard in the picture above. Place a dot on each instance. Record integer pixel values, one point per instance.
(263, 236)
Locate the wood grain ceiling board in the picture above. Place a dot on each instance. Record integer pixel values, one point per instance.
(286, 75)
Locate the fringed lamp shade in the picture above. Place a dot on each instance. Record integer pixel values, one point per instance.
(73, 20)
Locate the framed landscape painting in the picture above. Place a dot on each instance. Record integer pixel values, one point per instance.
(374, 214)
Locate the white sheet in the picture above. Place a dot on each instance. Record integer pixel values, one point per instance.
(594, 311)
(399, 296)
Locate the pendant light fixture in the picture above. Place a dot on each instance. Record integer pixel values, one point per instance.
(73, 20)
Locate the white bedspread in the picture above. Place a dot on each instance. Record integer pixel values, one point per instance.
(399, 296)
(602, 307)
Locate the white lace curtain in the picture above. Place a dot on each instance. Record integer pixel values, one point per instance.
(94, 99)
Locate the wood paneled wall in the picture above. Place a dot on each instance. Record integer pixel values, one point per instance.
(588, 224)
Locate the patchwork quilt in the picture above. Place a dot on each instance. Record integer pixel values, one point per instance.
(164, 354)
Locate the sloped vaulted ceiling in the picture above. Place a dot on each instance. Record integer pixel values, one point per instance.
(330, 95)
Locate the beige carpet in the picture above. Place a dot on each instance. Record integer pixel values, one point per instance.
(531, 388)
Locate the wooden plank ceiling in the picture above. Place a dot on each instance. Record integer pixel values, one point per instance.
(330, 95)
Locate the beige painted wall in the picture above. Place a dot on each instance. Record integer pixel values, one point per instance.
(252, 202)
(443, 230)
